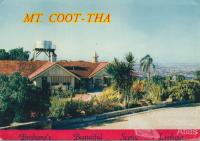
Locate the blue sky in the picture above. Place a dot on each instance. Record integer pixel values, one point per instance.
(168, 30)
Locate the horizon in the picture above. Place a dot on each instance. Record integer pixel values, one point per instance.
(89, 59)
(167, 30)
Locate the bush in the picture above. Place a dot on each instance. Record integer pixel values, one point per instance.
(108, 100)
(60, 93)
(72, 108)
(186, 90)
(65, 107)
(6, 116)
(133, 104)
(197, 75)
(109, 94)
(180, 78)
(57, 108)
(138, 90)
(86, 107)
(154, 93)
(18, 98)
(166, 94)
(158, 80)
(138, 86)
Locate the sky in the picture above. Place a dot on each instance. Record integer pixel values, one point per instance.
(168, 30)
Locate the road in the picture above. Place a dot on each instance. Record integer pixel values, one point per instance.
(174, 117)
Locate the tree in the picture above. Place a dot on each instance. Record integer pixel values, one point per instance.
(159, 80)
(145, 65)
(6, 114)
(122, 74)
(180, 78)
(14, 54)
(4, 55)
(198, 75)
(18, 98)
(18, 54)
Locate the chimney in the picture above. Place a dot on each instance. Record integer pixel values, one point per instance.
(95, 58)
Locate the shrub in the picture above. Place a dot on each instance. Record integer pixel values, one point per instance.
(166, 94)
(18, 98)
(72, 108)
(138, 86)
(6, 116)
(86, 107)
(158, 80)
(168, 82)
(109, 94)
(138, 89)
(57, 108)
(180, 78)
(66, 107)
(197, 75)
(108, 100)
(186, 90)
(154, 93)
(133, 104)
(60, 93)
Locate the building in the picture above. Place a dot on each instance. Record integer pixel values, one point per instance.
(65, 74)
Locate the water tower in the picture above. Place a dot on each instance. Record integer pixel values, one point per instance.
(45, 47)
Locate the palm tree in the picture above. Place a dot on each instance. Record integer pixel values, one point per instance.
(122, 74)
(145, 65)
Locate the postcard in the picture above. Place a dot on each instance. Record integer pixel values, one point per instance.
(99, 70)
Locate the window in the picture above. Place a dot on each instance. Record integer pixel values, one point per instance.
(60, 79)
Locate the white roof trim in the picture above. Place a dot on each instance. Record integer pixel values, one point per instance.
(58, 66)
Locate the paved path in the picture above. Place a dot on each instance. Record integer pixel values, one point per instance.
(175, 117)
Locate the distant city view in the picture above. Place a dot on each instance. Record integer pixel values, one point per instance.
(166, 69)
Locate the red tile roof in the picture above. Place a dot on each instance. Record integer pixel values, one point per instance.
(101, 66)
(41, 69)
(82, 69)
(24, 67)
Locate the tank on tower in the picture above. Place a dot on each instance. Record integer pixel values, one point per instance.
(44, 44)
(46, 47)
